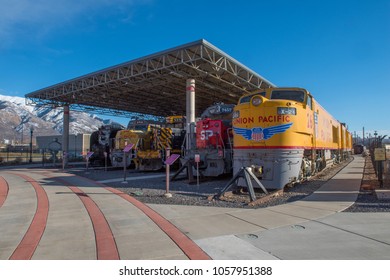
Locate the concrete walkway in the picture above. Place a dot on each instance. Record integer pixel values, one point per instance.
(84, 220)
(312, 228)
(49, 214)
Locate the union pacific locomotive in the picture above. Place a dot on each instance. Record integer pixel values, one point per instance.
(286, 136)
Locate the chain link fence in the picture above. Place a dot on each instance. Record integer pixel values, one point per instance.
(386, 168)
(10, 156)
(381, 166)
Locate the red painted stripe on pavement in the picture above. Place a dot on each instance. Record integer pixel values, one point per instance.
(106, 248)
(3, 190)
(105, 243)
(189, 247)
(30, 241)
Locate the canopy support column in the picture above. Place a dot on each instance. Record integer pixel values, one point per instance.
(65, 137)
(190, 113)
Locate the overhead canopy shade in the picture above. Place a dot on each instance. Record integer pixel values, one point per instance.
(156, 84)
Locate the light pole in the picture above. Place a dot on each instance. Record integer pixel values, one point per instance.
(31, 136)
(376, 140)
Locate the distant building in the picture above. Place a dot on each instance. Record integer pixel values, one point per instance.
(78, 144)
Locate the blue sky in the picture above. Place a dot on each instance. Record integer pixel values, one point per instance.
(337, 49)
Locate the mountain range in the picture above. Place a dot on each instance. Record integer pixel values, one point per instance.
(17, 119)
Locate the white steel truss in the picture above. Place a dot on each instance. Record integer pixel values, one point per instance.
(155, 85)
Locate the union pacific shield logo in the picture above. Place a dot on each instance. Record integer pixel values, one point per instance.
(259, 133)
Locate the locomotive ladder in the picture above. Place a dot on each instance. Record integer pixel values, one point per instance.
(247, 174)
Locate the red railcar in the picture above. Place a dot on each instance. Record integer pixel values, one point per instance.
(214, 141)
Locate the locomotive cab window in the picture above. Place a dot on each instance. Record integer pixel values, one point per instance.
(309, 102)
(141, 127)
(247, 99)
(294, 95)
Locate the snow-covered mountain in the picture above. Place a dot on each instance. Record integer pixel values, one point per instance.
(17, 119)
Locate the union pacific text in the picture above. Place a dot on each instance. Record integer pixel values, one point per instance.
(262, 119)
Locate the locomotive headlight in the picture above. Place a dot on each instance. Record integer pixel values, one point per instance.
(287, 111)
(256, 101)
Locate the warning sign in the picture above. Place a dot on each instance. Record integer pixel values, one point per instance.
(380, 154)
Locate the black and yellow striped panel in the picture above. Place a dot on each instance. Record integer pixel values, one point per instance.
(165, 138)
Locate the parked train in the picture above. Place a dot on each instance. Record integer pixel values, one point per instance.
(285, 136)
(100, 143)
(213, 143)
(143, 134)
(173, 135)
(150, 139)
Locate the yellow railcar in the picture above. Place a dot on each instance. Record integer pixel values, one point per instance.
(121, 140)
(143, 134)
(150, 139)
(285, 135)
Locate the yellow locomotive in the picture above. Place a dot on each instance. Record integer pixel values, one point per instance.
(145, 154)
(286, 136)
(150, 139)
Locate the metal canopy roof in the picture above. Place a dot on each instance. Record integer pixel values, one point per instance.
(156, 84)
